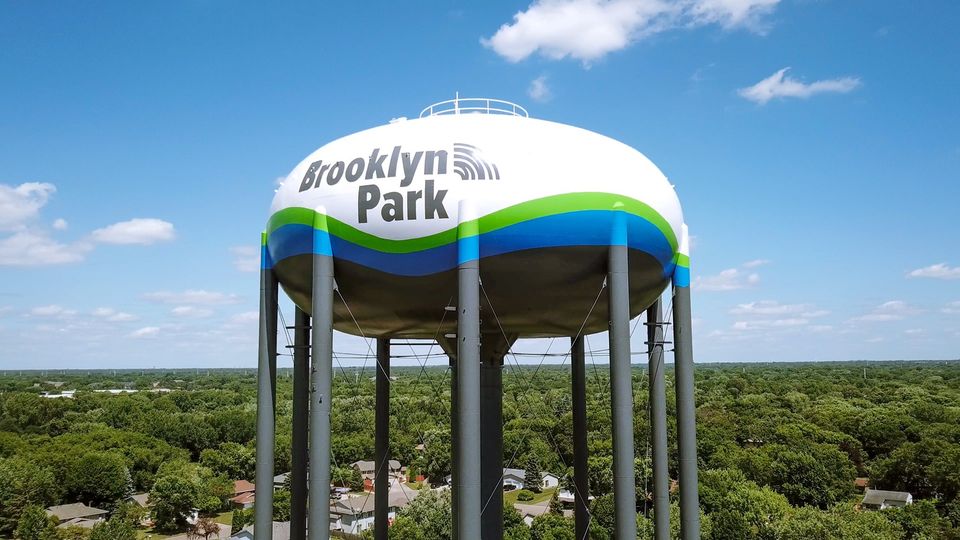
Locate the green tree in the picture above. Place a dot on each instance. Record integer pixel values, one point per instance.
(230, 459)
(281, 505)
(36, 525)
(241, 518)
(552, 527)
(531, 474)
(431, 509)
(23, 483)
(99, 479)
(404, 528)
(116, 528)
(173, 498)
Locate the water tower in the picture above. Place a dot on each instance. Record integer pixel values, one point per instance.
(475, 225)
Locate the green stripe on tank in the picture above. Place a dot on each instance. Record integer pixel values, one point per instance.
(525, 211)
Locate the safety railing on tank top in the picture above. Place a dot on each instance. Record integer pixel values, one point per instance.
(461, 105)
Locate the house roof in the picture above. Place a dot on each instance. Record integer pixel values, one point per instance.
(244, 498)
(532, 510)
(364, 503)
(243, 486)
(861, 482)
(79, 522)
(879, 496)
(141, 499)
(370, 466)
(519, 473)
(66, 512)
(281, 531)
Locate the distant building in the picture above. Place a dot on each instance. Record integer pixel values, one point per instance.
(368, 469)
(140, 499)
(281, 531)
(353, 515)
(243, 494)
(549, 480)
(861, 483)
(530, 511)
(878, 499)
(76, 514)
(513, 479)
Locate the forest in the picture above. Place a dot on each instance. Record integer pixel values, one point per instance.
(780, 447)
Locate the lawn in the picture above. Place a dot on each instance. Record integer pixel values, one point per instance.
(511, 496)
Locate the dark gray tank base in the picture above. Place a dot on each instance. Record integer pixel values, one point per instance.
(526, 301)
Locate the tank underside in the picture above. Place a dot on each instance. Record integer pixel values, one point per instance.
(540, 292)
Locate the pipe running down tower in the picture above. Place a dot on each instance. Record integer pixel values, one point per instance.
(522, 228)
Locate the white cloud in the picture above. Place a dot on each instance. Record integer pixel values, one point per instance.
(192, 297)
(590, 29)
(143, 231)
(34, 248)
(779, 85)
(894, 310)
(755, 263)
(538, 90)
(112, 315)
(245, 317)
(246, 258)
(952, 308)
(192, 312)
(765, 324)
(21, 203)
(60, 224)
(53, 311)
(728, 280)
(733, 13)
(766, 308)
(146, 332)
(936, 271)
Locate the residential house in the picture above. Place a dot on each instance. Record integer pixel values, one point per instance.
(368, 469)
(281, 531)
(878, 499)
(76, 514)
(513, 479)
(529, 511)
(353, 515)
(549, 480)
(243, 494)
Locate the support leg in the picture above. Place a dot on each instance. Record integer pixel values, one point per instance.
(621, 395)
(266, 398)
(491, 454)
(321, 387)
(468, 401)
(686, 414)
(301, 406)
(581, 511)
(658, 424)
(454, 444)
(382, 442)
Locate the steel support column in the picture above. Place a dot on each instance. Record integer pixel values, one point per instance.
(621, 394)
(301, 407)
(658, 424)
(266, 397)
(491, 454)
(581, 511)
(381, 494)
(321, 388)
(454, 443)
(686, 413)
(468, 382)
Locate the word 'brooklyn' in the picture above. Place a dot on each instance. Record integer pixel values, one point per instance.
(396, 206)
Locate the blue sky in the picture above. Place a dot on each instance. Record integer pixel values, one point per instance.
(140, 144)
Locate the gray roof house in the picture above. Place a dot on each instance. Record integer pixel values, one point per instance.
(880, 499)
(76, 514)
(281, 531)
